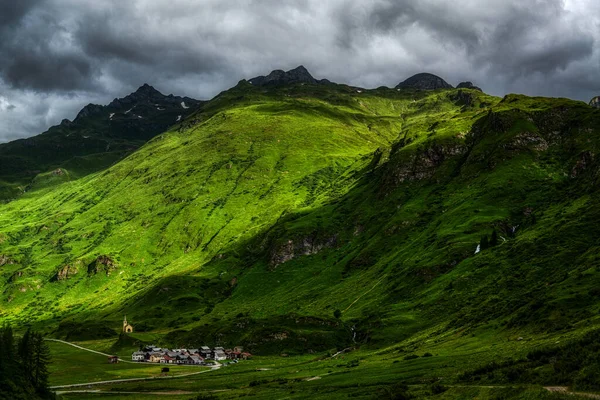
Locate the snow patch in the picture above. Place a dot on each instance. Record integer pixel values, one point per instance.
(160, 109)
(178, 118)
(139, 116)
(359, 91)
(128, 111)
(183, 105)
(111, 115)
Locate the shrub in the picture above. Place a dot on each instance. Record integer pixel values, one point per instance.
(437, 388)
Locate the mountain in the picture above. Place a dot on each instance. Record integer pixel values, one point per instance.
(421, 235)
(595, 102)
(424, 81)
(98, 137)
(279, 77)
(468, 85)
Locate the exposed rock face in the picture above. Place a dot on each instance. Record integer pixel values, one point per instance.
(595, 102)
(421, 165)
(424, 81)
(279, 77)
(102, 264)
(583, 162)
(5, 260)
(463, 98)
(468, 85)
(300, 247)
(66, 272)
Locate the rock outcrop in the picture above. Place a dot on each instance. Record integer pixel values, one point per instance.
(66, 272)
(5, 260)
(102, 264)
(280, 77)
(305, 246)
(468, 85)
(595, 102)
(424, 81)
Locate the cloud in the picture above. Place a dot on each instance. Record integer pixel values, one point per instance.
(63, 54)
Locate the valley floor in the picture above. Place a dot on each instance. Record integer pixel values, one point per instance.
(79, 372)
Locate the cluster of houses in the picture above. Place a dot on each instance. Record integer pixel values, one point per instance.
(199, 356)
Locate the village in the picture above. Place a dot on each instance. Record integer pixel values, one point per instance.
(153, 354)
(158, 355)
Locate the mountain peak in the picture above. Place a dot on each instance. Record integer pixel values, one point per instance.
(468, 85)
(424, 81)
(279, 77)
(147, 90)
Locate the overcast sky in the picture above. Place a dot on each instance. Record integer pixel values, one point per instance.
(58, 55)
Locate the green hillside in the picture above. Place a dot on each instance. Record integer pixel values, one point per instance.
(97, 138)
(303, 218)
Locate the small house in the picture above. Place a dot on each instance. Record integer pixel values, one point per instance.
(168, 360)
(246, 355)
(182, 359)
(219, 355)
(113, 359)
(206, 352)
(197, 360)
(139, 356)
(156, 357)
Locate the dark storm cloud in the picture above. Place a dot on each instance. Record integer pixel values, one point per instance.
(58, 55)
(11, 11)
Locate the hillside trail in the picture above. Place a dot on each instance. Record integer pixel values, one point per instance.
(90, 350)
(565, 390)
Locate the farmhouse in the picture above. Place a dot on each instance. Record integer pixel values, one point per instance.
(138, 356)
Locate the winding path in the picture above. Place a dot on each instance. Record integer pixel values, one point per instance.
(90, 350)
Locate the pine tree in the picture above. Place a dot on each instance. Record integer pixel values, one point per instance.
(484, 242)
(41, 358)
(25, 354)
(494, 239)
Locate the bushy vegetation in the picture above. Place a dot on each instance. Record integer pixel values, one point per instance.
(575, 364)
(23, 366)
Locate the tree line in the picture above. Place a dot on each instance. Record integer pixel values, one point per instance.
(23, 366)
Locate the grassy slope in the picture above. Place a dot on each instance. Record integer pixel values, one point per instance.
(390, 190)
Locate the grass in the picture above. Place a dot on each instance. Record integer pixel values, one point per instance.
(71, 366)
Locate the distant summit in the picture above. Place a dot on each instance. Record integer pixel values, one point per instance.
(595, 102)
(468, 85)
(424, 81)
(147, 94)
(280, 77)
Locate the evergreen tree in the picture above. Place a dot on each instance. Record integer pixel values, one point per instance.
(494, 239)
(25, 354)
(484, 243)
(41, 358)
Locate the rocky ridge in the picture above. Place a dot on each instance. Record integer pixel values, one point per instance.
(424, 81)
